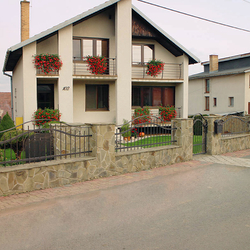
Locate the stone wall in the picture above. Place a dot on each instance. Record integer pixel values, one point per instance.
(102, 162)
(218, 144)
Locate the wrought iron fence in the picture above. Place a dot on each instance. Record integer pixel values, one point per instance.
(171, 71)
(51, 141)
(81, 67)
(234, 125)
(143, 132)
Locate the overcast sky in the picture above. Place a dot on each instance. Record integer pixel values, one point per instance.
(199, 37)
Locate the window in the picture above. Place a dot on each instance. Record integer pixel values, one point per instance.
(249, 81)
(206, 103)
(207, 86)
(97, 97)
(142, 53)
(215, 101)
(89, 47)
(45, 96)
(153, 96)
(231, 101)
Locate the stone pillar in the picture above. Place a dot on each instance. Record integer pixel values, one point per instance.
(102, 144)
(184, 136)
(213, 140)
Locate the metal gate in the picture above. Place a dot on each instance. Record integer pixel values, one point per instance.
(199, 134)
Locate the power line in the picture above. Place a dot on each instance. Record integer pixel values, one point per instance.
(190, 15)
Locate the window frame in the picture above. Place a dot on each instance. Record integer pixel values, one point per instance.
(141, 63)
(207, 85)
(52, 95)
(94, 45)
(231, 101)
(215, 101)
(141, 97)
(96, 95)
(207, 104)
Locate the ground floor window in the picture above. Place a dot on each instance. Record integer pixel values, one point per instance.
(97, 97)
(45, 96)
(153, 96)
(231, 101)
(207, 103)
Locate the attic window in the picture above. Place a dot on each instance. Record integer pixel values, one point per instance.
(142, 53)
(83, 47)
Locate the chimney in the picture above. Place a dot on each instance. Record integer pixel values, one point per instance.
(214, 64)
(25, 20)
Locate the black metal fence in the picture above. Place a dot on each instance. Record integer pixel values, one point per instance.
(234, 125)
(143, 132)
(51, 141)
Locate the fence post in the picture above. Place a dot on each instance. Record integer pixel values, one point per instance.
(183, 136)
(213, 140)
(102, 145)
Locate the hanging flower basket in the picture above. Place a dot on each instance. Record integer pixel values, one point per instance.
(47, 62)
(154, 67)
(97, 64)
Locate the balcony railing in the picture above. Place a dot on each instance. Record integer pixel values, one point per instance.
(81, 68)
(172, 71)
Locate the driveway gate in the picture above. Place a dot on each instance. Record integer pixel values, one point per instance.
(199, 134)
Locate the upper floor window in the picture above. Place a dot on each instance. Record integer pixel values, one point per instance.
(142, 53)
(83, 47)
(207, 86)
(206, 103)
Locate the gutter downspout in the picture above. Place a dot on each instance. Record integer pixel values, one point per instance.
(12, 115)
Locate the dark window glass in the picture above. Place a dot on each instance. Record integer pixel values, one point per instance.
(207, 103)
(146, 96)
(45, 96)
(207, 87)
(97, 97)
(157, 97)
(136, 96)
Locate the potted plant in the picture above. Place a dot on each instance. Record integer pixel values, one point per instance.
(141, 115)
(125, 130)
(97, 64)
(167, 113)
(47, 62)
(47, 114)
(154, 67)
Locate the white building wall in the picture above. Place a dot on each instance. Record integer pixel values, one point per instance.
(221, 88)
(29, 82)
(65, 97)
(123, 47)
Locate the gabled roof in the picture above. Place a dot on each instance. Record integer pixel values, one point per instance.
(219, 73)
(15, 52)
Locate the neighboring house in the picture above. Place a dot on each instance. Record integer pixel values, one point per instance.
(223, 87)
(124, 35)
(5, 103)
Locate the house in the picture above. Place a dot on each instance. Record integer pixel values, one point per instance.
(5, 103)
(127, 38)
(223, 87)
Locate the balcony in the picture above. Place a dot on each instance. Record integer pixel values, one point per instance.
(81, 68)
(172, 71)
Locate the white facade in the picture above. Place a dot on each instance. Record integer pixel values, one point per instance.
(111, 22)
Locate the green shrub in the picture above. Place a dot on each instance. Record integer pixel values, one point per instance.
(8, 155)
(15, 133)
(6, 123)
(125, 129)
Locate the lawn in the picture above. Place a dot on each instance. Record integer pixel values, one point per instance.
(157, 141)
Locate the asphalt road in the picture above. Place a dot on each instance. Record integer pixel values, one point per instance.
(204, 207)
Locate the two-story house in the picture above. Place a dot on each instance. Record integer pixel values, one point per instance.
(223, 87)
(127, 38)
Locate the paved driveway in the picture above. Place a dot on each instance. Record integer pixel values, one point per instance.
(201, 204)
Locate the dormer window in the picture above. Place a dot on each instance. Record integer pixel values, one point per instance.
(83, 47)
(142, 53)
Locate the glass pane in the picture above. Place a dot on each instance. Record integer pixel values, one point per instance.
(45, 96)
(103, 96)
(87, 48)
(147, 97)
(91, 97)
(168, 99)
(148, 53)
(136, 96)
(99, 48)
(105, 48)
(157, 97)
(136, 54)
(77, 50)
